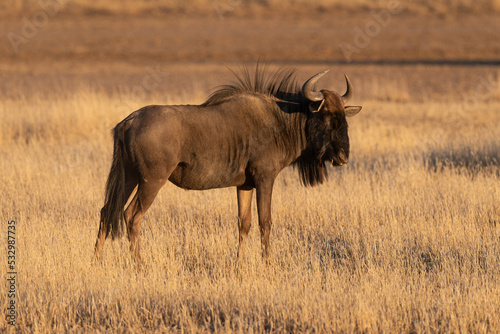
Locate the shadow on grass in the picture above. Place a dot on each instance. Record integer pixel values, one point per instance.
(483, 159)
(469, 160)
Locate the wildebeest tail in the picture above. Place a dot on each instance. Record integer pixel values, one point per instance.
(115, 187)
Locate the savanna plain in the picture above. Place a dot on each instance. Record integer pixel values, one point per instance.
(404, 238)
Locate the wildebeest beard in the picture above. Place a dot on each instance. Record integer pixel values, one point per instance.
(312, 162)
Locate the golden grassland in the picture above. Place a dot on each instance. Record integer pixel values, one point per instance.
(405, 238)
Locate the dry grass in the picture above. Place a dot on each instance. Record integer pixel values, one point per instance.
(403, 239)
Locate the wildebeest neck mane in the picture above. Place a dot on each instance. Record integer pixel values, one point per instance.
(297, 126)
(281, 84)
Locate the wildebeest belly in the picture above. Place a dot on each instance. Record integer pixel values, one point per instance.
(206, 176)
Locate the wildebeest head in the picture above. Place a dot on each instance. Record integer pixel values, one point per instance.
(327, 132)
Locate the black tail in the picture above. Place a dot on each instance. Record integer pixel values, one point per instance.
(115, 188)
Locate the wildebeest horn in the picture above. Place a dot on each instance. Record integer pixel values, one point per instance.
(307, 91)
(348, 93)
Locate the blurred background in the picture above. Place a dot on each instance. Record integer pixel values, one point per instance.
(412, 46)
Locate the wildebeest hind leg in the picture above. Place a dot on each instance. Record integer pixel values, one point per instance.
(130, 186)
(101, 236)
(140, 203)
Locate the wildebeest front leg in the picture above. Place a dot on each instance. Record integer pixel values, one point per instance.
(264, 195)
(244, 217)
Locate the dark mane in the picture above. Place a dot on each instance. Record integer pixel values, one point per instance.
(281, 84)
(311, 165)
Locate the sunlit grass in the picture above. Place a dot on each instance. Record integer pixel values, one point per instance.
(405, 238)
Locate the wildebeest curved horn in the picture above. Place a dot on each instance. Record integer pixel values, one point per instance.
(307, 91)
(348, 93)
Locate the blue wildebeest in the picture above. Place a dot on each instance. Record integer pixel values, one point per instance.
(243, 135)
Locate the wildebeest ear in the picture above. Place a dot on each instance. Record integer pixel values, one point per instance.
(315, 106)
(351, 110)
